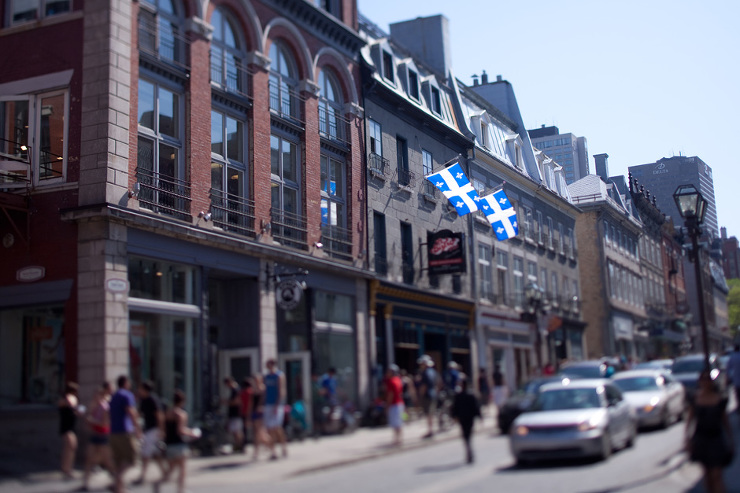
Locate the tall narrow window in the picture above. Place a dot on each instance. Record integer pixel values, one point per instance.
(286, 209)
(402, 157)
(379, 243)
(407, 253)
(427, 164)
(436, 102)
(336, 238)
(518, 281)
(539, 227)
(551, 231)
(388, 69)
(227, 71)
(229, 173)
(160, 33)
(376, 162)
(283, 81)
(331, 122)
(414, 85)
(485, 272)
(502, 277)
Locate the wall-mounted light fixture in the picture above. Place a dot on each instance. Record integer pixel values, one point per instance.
(134, 193)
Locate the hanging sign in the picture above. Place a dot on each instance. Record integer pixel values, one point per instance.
(446, 252)
(289, 294)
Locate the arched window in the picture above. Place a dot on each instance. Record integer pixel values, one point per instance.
(160, 32)
(226, 53)
(283, 81)
(330, 107)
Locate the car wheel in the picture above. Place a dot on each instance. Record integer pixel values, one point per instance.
(606, 446)
(665, 419)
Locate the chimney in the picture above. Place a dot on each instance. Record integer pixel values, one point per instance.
(499, 78)
(428, 39)
(602, 166)
(475, 79)
(484, 78)
(723, 232)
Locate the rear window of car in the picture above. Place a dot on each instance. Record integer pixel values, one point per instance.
(585, 371)
(688, 366)
(561, 399)
(636, 384)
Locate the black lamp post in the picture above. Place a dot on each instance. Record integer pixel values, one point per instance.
(534, 303)
(692, 207)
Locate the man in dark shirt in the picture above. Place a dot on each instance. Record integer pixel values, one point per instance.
(465, 408)
(233, 409)
(150, 408)
(124, 430)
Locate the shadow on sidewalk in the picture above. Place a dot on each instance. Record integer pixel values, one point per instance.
(440, 468)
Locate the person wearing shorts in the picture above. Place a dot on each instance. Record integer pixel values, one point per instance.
(150, 408)
(394, 400)
(124, 430)
(176, 435)
(274, 410)
(234, 414)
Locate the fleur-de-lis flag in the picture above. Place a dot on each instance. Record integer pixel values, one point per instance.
(501, 214)
(454, 185)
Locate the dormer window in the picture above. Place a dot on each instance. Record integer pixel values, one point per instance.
(436, 102)
(413, 85)
(484, 140)
(388, 67)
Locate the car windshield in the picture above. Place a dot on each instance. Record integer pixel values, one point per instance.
(560, 399)
(636, 384)
(688, 366)
(584, 371)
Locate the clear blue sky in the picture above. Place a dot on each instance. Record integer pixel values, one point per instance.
(640, 80)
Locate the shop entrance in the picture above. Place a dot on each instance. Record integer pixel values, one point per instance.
(297, 369)
(237, 363)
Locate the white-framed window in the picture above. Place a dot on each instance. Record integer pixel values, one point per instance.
(543, 279)
(330, 107)
(227, 53)
(484, 138)
(539, 227)
(333, 191)
(561, 235)
(283, 81)
(531, 271)
(502, 272)
(518, 273)
(21, 11)
(285, 170)
(551, 230)
(229, 174)
(427, 164)
(554, 286)
(33, 136)
(486, 271)
(376, 137)
(160, 30)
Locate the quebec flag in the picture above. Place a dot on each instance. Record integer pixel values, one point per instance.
(454, 185)
(501, 214)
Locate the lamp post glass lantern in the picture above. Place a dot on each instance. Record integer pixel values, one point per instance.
(534, 296)
(692, 207)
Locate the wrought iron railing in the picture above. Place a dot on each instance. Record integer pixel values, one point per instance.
(333, 126)
(15, 163)
(229, 74)
(429, 190)
(285, 101)
(406, 178)
(381, 264)
(337, 241)
(162, 40)
(232, 213)
(164, 194)
(289, 229)
(377, 164)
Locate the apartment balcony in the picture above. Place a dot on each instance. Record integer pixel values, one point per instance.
(162, 42)
(230, 76)
(337, 242)
(285, 102)
(406, 178)
(333, 126)
(377, 165)
(232, 213)
(289, 229)
(163, 194)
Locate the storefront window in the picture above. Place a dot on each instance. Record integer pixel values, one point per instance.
(156, 280)
(334, 308)
(163, 349)
(32, 355)
(334, 341)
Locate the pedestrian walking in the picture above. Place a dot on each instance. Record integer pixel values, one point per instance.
(98, 447)
(427, 392)
(733, 369)
(394, 403)
(275, 407)
(150, 408)
(465, 408)
(261, 438)
(68, 410)
(500, 390)
(245, 411)
(409, 391)
(176, 436)
(233, 412)
(124, 430)
(709, 439)
(484, 388)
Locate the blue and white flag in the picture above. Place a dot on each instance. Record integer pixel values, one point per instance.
(501, 214)
(454, 185)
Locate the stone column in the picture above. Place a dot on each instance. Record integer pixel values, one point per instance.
(268, 314)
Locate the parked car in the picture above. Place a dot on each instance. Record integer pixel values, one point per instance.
(656, 364)
(656, 398)
(587, 369)
(520, 401)
(573, 418)
(686, 370)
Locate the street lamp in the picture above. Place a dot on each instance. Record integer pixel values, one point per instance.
(692, 207)
(534, 296)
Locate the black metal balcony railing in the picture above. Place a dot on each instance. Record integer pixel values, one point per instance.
(408, 272)
(333, 126)
(430, 191)
(164, 194)
(285, 101)
(232, 213)
(229, 74)
(162, 41)
(406, 178)
(289, 229)
(337, 242)
(381, 264)
(15, 164)
(377, 164)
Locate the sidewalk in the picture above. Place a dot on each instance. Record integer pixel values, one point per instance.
(309, 455)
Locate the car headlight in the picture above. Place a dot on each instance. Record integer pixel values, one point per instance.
(652, 405)
(588, 425)
(521, 430)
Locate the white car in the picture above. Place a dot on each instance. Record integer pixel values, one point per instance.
(656, 398)
(573, 418)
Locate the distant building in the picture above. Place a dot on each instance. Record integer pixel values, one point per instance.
(665, 175)
(568, 150)
(730, 255)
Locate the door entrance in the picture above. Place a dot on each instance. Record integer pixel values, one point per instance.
(297, 369)
(237, 363)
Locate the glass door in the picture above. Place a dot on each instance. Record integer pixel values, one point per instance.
(237, 363)
(297, 369)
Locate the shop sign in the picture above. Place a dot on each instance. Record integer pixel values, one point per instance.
(116, 285)
(289, 294)
(30, 273)
(446, 252)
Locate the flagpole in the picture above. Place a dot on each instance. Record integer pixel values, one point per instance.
(444, 165)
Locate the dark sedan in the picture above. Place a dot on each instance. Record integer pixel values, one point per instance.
(520, 401)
